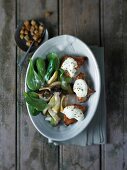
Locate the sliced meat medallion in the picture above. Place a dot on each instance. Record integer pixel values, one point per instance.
(73, 113)
(71, 64)
(82, 90)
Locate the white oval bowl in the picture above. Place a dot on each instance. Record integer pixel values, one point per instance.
(70, 45)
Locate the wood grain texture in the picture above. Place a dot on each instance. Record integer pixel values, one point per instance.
(77, 18)
(7, 85)
(125, 82)
(33, 152)
(81, 19)
(112, 30)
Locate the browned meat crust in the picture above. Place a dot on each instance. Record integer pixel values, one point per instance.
(90, 91)
(79, 59)
(68, 121)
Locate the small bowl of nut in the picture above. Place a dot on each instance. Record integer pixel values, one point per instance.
(30, 32)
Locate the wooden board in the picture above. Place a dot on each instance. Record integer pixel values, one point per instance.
(7, 85)
(33, 152)
(95, 22)
(112, 39)
(77, 18)
(125, 82)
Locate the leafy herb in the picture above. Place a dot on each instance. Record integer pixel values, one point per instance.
(40, 64)
(34, 80)
(53, 65)
(37, 103)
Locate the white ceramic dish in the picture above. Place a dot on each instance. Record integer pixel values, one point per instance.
(66, 44)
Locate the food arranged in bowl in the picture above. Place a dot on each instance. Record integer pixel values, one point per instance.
(50, 84)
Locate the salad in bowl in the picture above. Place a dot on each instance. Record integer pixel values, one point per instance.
(62, 87)
(51, 81)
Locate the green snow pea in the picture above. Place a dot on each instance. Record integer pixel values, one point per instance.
(53, 65)
(34, 80)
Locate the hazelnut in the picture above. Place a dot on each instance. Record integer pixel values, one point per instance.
(26, 23)
(33, 22)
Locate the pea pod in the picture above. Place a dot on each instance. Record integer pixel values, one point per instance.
(34, 81)
(53, 65)
(40, 64)
(37, 103)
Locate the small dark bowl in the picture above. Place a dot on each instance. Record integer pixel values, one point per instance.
(21, 43)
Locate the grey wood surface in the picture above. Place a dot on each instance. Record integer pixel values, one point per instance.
(97, 22)
(112, 39)
(33, 150)
(125, 81)
(78, 21)
(7, 86)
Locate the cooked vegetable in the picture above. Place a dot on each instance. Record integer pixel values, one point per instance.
(65, 82)
(53, 65)
(54, 102)
(54, 116)
(63, 103)
(53, 78)
(55, 84)
(45, 111)
(50, 87)
(37, 103)
(34, 80)
(53, 122)
(33, 111)
(56, 107)
(54, 87)
(40, 64)
(45, 93)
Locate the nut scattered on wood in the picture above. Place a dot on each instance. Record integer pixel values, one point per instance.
(48, 13)
(31, 31)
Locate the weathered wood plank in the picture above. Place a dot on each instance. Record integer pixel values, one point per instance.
(33, 150)
(125, 82)
(7, 85)
(80, 18)
(78, 158)
(112, 29)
